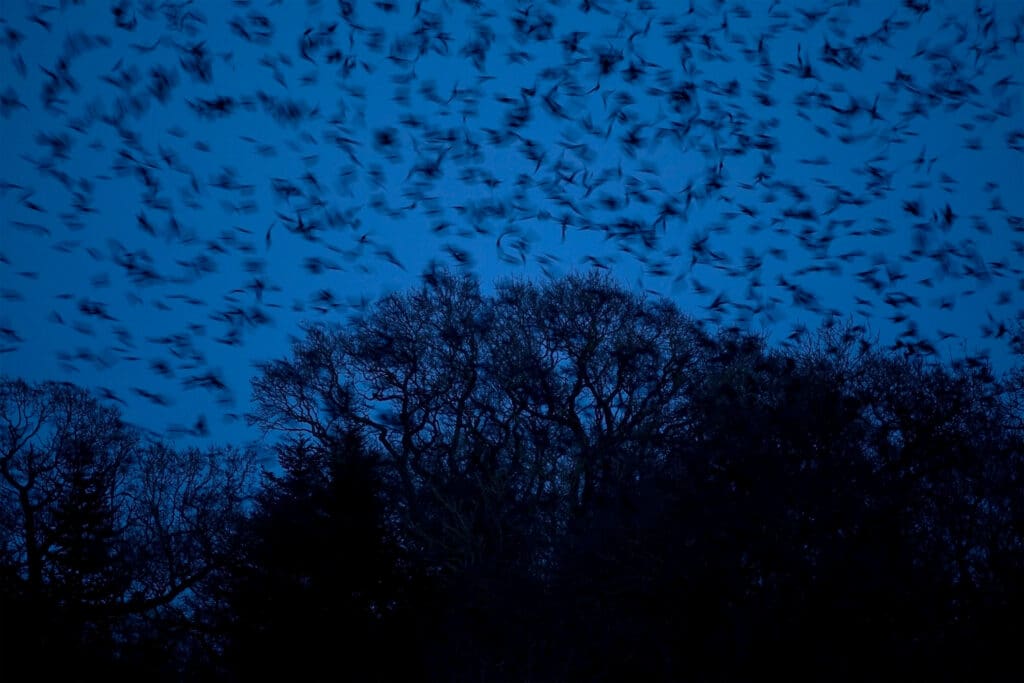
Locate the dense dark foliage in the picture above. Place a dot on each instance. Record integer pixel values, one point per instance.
(559, 481)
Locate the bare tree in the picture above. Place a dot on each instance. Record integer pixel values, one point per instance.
(495, 413)
(98, 526)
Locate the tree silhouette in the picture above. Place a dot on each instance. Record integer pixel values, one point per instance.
(556, 481)
(315, 583)
(594, 486)
(104, 535)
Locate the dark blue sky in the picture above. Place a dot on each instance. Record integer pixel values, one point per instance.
(184, 183)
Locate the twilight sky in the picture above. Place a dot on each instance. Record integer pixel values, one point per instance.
(183, 183)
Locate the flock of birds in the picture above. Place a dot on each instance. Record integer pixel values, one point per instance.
(184, 181)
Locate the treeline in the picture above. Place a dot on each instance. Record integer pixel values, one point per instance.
(559, 481)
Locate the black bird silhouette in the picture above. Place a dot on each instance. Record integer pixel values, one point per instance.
(746, 149)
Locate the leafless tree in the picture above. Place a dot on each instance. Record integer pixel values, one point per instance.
(538, 399)
(98, 526)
